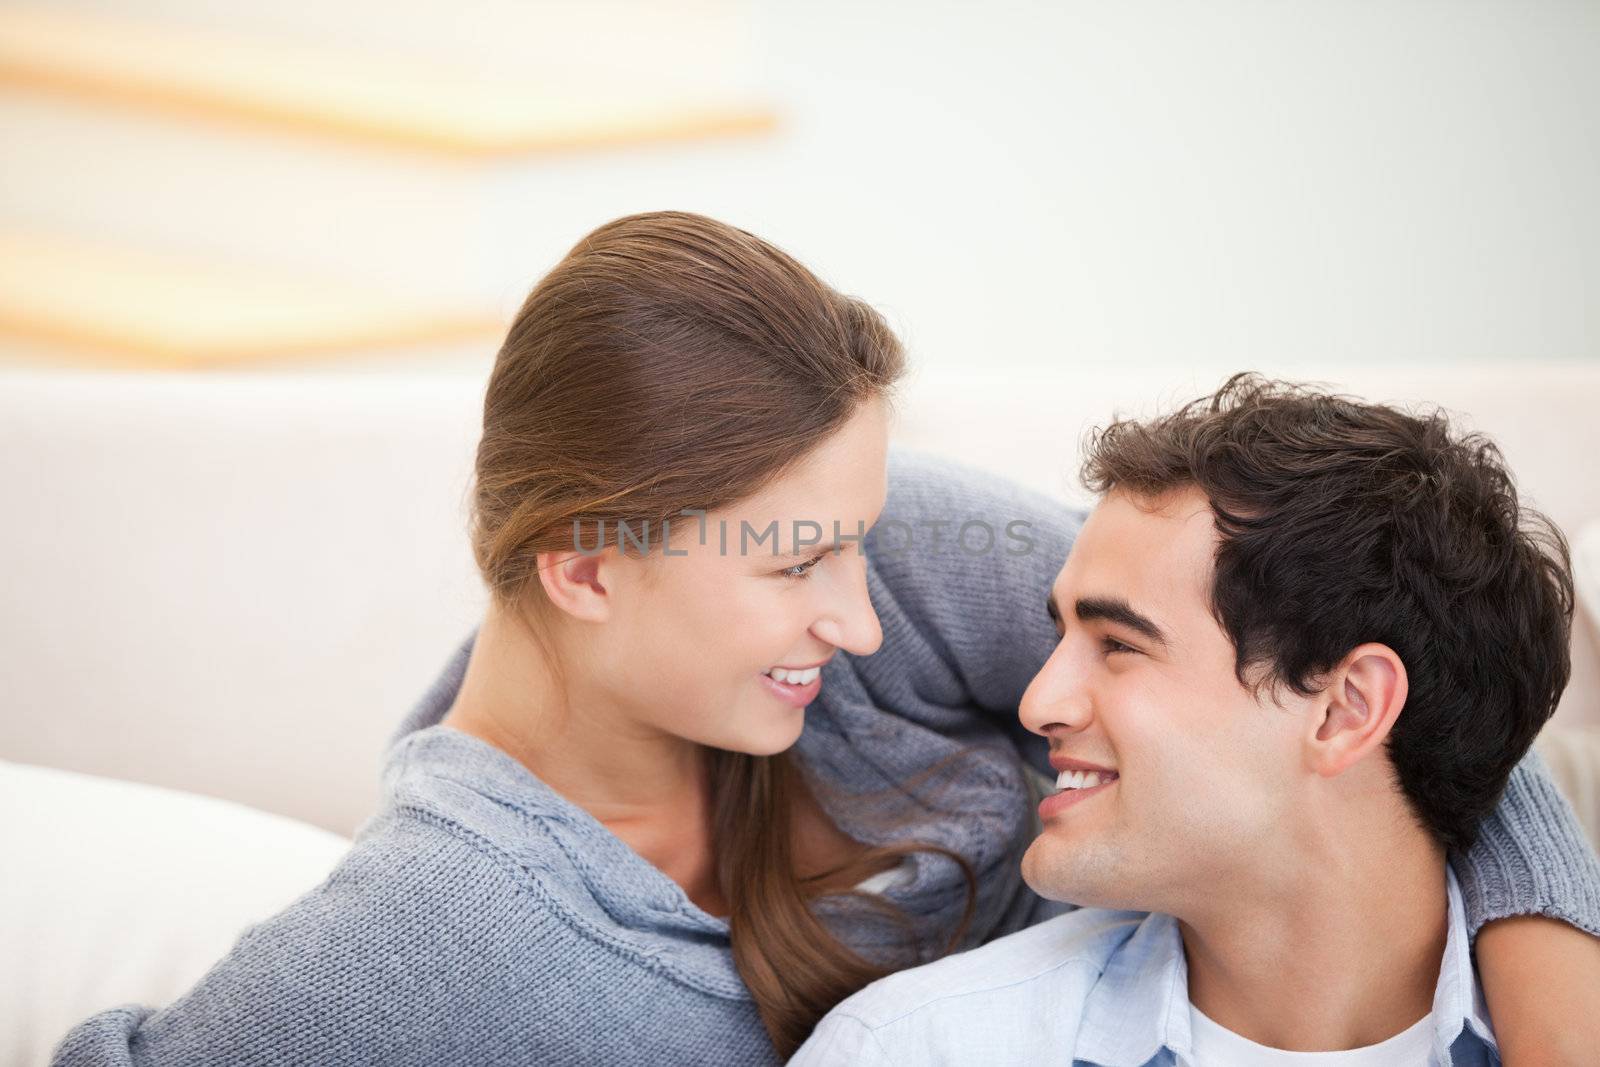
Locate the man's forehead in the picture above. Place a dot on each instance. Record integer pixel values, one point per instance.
(1147, 549)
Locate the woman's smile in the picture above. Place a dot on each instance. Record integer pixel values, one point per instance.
(797, 694)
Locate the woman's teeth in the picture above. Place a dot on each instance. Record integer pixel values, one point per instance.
(1083, 779)
(805, 677)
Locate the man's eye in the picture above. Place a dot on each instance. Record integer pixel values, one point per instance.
(800, 570)
(1111, 645)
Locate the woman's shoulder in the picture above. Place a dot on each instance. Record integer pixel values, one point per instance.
(457, 813)
(413, 877)
(408, 925)
(459, 786)
(449, 790)
(431, 916)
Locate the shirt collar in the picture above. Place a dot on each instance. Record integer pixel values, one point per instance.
(1458, 1006)
(1140, 1006)
(1141, 1002)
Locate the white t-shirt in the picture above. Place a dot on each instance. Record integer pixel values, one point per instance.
(1215, 1046)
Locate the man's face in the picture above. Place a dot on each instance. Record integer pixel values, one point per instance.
(1143, 684)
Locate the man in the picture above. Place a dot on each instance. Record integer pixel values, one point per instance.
(1304, 641)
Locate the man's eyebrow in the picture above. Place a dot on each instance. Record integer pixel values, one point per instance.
(1118, 610)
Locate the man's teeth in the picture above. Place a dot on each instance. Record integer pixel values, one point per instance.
(805, 677)
(1083, 779)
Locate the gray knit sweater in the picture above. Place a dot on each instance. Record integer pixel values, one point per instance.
(480, 918)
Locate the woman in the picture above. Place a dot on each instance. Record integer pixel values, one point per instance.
(595, 845)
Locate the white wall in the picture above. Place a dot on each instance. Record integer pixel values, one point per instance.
(1020, 185)
(1138, 181)
(1036, 185)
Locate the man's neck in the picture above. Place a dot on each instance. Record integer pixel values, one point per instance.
(1336, 948)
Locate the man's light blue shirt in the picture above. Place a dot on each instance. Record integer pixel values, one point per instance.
(1092, 987)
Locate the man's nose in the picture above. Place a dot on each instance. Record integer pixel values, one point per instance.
(1056, 698)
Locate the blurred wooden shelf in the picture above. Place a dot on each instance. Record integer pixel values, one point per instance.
(118, 306)
(354, 97)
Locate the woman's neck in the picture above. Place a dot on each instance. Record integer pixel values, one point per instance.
(565, 728)
(649, 789)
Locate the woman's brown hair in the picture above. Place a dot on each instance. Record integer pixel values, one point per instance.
(673, 362)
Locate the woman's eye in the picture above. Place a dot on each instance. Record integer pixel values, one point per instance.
(800, 570)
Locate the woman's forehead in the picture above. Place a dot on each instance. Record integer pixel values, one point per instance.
(844, 479)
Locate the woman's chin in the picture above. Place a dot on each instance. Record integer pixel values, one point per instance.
(771, 745)
(778, 734)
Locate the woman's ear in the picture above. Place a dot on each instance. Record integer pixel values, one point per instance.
(1358, 708)
(575, 582)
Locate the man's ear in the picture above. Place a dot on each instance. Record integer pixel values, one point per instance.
(1358, 708)
(575, 582)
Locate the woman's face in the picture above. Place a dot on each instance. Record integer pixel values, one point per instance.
(692, 639)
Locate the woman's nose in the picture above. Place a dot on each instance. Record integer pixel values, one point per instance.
(852, 624)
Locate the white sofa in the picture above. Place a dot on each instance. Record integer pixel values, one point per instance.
(236, 585)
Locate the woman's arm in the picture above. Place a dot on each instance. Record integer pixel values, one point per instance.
(1541, 979)
(1532, 884)
(978, 633)
(1531, 858)
(960, 565)
(365, 967)
(427, 948)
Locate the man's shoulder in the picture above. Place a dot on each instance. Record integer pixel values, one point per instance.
(1058, 958)
(1019, 999)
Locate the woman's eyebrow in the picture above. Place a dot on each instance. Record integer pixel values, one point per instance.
(807, 551)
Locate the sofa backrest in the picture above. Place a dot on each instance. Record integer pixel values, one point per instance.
(238, 584)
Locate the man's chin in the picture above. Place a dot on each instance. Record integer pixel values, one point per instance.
(1059, 871)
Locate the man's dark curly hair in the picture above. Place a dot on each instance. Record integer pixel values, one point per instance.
(1343, 522)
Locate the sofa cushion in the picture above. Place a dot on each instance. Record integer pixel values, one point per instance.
(113, 892)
